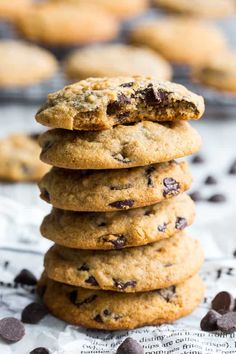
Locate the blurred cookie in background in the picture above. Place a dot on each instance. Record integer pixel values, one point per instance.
(116, 60)
(24, 64)
(199, 8)
(63, 24)
(219, 72)
(19, 159)
(181, 40)
(119, 8)
(11, 9)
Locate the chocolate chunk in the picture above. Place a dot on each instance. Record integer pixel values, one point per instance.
(227, 322)
(123, 204)
(223, 301)
(217, 198)
(45, 195)
(116, 106)
(198, 159)
(91, 280)
(151, 96)
(210, 180)
(180, 223)
(232, 170)
(33, 313)
(123, 285)
(88, 300)
(11, 329)
(84, 267)
(127, 84)
(196, 196)
(171, 187)
(162, 228)
(98, 318)
(40, 350)
(168, 293)
(130, 346)
(25, 277)
(209, 321)
(106, 312)
(73, 297)
(119, 242)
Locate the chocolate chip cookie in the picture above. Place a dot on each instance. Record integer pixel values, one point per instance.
(100, 103)
(113, 190)
(116, 230)
(19, 159)
(123, 146)
(115, 311)
(145, 268)
(116, 60)
(24, 64)
(181, 40)
(199, 8)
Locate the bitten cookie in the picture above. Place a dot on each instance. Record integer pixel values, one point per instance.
(154, 266)
(24, 64)
(119, 8)
(116, 60)
(199, 8)
(116, 311)
(19, 159)
(100, 103)
(116, 230)
(180, 39)
(219, 72)
(113, 190)
(66, 24)
(123, 146)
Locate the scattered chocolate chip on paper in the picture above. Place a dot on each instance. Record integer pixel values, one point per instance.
(130, 346)
(11, 329)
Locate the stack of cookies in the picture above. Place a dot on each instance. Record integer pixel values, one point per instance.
(121, 258)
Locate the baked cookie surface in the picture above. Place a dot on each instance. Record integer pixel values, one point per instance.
(67, 24)
(154, 266)
(100, 103)
(114, 190)
(10, 9)
(19, 159)
(116, 60)
(123, 146)
(219, 72)
(116, 230)
(24, 64)
(115, 311)
(181, 40)
(200, 8)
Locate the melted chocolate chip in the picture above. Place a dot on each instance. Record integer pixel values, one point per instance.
(162, 228)
(223, 301)
(127, 84)
(116, 106)
(91, 280)
(119, 242)
(25, 277)
(217, 198)
(33, 313)
(209, 321)
(130, 346)
(171, 187)
(123, 285)
(180, 223)
(151, 96)
(84, 267)
(40, 350)
(227, 322)
(123, 204)
(98, 318)
(11, 329)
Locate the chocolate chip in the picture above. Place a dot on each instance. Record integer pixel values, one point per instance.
(84, 267)
(119, 242)
(25, 277)
(227, 322)
(102, 224)
(98, 318)
(162, 228)
(121, 187)
(45, 195)
(171, 187)
(180, 223)
(73, 297)
(127, 84)
(91, 280)
(209, 321)
(40, 350)
(198, 159)
(123, 285)
(232, 169)
(11, 329)
(217, 198)
(234, 254)
(196, 196)
(151, 96)
(130, 346)
(115, 106)
(168, 293)
(223, 301)
(210, 180)
(33, 313)
(106, 312)
(123, 204)
(148, 173)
